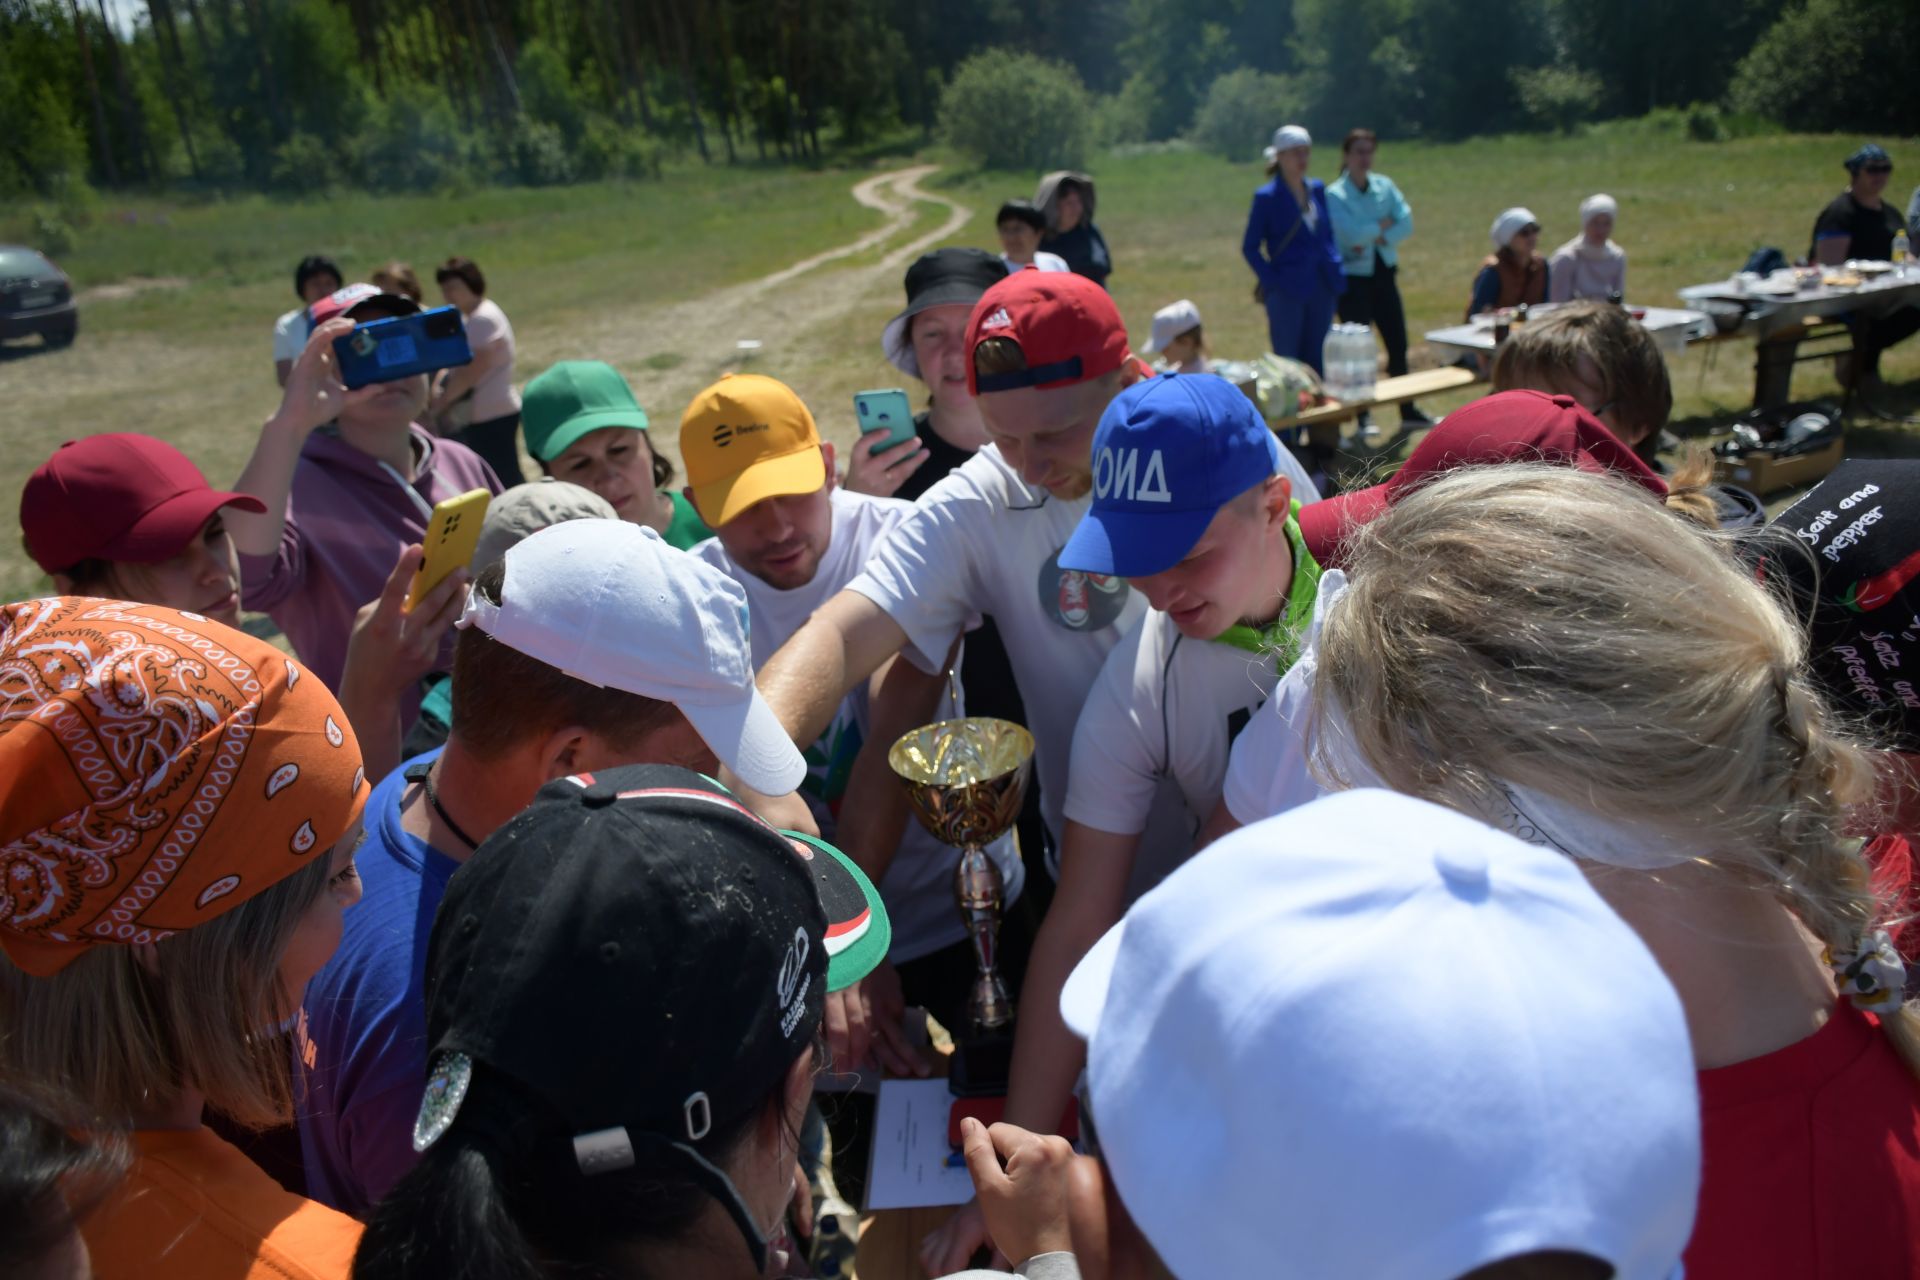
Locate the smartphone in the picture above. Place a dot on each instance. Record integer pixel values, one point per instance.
(402, 346)
(888, 410)
(452, 534)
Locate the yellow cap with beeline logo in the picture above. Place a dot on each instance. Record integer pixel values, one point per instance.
(747, 438)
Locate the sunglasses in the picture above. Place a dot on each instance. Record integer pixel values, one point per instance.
(1879, 168)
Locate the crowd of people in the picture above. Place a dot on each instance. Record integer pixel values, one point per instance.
(1498, 872)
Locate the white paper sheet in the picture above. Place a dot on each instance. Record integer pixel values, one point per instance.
(909, 1168)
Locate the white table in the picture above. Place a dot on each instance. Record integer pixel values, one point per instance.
(1778, 320)
(1771, 310)
(1671, 327)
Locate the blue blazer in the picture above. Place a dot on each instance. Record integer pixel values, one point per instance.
(1310, 261)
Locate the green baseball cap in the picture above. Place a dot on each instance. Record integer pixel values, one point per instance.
(571, 399)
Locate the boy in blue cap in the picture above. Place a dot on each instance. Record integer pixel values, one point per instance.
(1190, 506)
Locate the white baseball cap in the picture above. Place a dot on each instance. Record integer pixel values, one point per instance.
(1170, 321)
(1375, 1037)
(610, 603)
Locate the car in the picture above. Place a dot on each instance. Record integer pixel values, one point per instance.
(35, 297)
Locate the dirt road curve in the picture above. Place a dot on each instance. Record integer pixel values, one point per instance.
(796, 305)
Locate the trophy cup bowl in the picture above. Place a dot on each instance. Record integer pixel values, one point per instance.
(965, 780)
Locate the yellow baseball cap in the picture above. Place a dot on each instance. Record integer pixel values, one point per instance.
(747, 438)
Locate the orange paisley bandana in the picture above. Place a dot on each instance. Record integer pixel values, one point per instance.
(157, 769)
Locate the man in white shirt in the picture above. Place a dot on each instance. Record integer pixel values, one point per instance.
(1047, 354)
(315, 278)
(760, 475)
(1193, 506)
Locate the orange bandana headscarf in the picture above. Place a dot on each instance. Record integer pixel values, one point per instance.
(156, 769)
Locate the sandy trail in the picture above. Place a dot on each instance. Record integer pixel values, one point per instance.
(780, 310)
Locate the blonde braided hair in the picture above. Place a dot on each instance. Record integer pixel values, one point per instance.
(1549, 628)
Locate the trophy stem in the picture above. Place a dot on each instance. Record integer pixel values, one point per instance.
(981, 892)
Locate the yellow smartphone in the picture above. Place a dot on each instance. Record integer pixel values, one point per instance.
(452, 534)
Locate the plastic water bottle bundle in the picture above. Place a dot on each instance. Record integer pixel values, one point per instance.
(1348, 358)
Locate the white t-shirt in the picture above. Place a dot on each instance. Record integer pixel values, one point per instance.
(918, 886)
(1042, 261)
(1269, 771)
(1165, 705)
(290, 333)
(494, 396)
(984, 541)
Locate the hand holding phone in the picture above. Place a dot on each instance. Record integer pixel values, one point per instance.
(452, 534)
(887, 411)
(401, 347)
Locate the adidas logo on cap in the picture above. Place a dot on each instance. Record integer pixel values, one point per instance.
(998, 320)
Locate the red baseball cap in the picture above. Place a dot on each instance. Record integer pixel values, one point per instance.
(1509, 426)
(118, 496)
(1066, 325)
(345, 301)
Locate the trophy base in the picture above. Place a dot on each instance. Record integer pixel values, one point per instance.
(981, 1064)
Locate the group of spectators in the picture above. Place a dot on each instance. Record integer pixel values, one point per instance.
(1462, 876)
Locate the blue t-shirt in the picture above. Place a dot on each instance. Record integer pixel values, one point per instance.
(363, 1031)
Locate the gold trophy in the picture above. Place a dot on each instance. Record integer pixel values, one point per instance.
(966, 779)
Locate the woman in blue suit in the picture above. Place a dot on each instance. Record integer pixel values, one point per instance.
(1290, 246)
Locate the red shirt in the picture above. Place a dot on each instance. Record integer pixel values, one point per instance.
(1812, 1161)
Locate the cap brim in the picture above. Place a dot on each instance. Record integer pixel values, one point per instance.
(1325, 524)
(164, 532)
(563, 436)
(895, 341)
(748, 739)
(1133, 544)
(1083, 997)
(859, 933)
(800, 472)
(385, 301)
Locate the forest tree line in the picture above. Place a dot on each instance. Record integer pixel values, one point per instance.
(299, 95)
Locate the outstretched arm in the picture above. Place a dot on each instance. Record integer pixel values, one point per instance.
(844, 642)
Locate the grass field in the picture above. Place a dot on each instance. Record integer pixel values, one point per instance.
(624, 272)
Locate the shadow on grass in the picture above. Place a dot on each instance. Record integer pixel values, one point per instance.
(11, 351)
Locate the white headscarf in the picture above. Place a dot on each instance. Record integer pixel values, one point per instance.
(1596, 205)
(1286, 138)
(1510, 223)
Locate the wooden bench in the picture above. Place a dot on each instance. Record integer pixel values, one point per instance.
(1387, 391)
(1777, 351)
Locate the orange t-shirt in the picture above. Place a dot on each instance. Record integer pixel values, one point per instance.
(194, 1207)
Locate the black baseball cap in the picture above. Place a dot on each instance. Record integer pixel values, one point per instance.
(943, 278)
(1848, 555)
(631, 963)
(1021, 211)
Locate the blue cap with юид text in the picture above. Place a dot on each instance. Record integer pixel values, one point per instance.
(1168, 454)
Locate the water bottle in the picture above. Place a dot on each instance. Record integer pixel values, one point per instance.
(1367, 367)
(1333, 365)
(1902, 253)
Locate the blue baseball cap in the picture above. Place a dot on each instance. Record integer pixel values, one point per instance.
(1168, 454)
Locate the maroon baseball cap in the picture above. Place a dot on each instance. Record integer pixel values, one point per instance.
(1509, 426)
(1066, 325)
(346, 301)
(118, 496)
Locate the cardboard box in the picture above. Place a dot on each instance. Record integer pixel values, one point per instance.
(1763, 473)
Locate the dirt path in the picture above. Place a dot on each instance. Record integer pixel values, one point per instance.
(675, 349)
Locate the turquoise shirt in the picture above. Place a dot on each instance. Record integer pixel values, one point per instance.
(1356, 221)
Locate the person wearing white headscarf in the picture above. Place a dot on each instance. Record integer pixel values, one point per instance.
(1516, 273)
(1290, 246)
(1590, 265)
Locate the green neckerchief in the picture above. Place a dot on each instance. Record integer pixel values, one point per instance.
(1281, 637)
